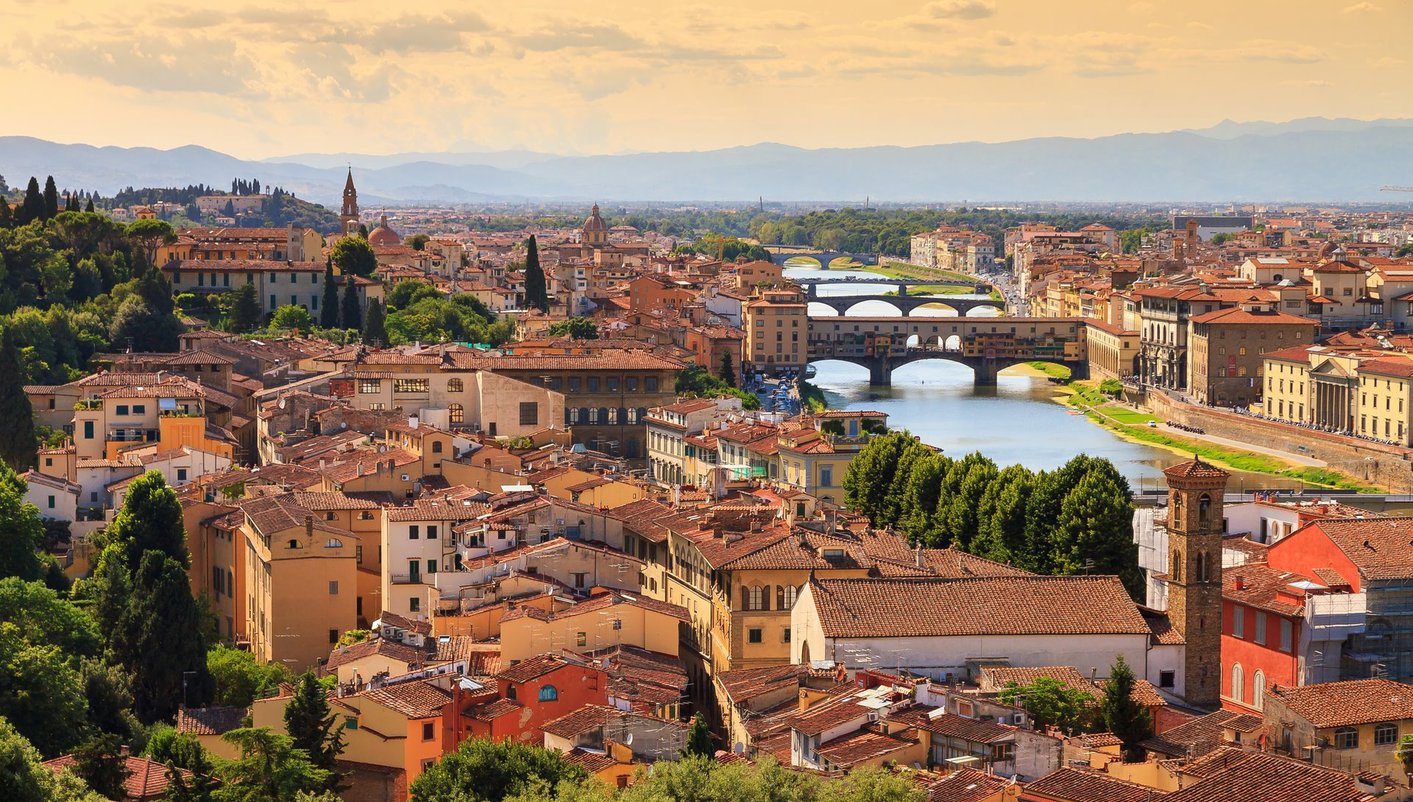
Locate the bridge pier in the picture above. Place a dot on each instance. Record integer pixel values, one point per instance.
(985, 371)
(880, 373)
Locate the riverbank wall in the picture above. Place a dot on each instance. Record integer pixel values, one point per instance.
(1389, 467)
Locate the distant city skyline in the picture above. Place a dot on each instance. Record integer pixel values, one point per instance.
(260, 80)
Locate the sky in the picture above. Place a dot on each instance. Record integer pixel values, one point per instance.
(262, 79)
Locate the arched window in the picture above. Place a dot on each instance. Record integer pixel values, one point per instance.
(756, 601)
(454, 386)
(1385, 734)
(790, 594)
(613, 416)
(603, 415)
(583, 416)
(1258, 689)
(549, 693)
(1177, 503)
(1201, 573)
(458, 413)
(333, 543)
(1176, 571)
(593, 415)
(1238, 682)
(1204, 508)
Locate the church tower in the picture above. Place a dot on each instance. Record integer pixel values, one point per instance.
(348, 215)
(1195, 524)
(595, 229)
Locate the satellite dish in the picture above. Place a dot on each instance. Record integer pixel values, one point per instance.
(282, 402)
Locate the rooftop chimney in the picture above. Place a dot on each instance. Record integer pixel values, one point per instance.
(1240, 582)
(309, 526)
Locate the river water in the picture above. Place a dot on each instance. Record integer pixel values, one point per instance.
(1017, 421)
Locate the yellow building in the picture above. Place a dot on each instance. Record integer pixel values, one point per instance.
(1354, 724)
(777, 331)
(169, 414)
(815, 455)
(602, 622)
(1363, 394)
(301, 580)
(1113, 350)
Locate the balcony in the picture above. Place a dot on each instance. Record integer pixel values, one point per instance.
(88, 404)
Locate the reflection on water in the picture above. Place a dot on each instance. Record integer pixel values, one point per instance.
(1017, 421)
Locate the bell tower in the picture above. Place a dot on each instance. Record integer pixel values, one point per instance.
(1195, 525)
(348, 215)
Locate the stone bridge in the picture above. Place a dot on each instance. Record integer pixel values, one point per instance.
(781, 256)
(905, 304)
(986, 345)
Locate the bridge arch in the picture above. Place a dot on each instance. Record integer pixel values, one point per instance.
(934, 307)
(975, 310)
(855, 301)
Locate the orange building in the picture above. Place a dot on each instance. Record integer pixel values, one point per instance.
(527, 695)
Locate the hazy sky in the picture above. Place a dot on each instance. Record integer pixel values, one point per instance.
(262, 79)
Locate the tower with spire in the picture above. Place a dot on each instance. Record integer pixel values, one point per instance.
(348, 215)
(1194, 580)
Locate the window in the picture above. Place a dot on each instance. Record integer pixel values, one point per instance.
(573, 384)
(1346, 738)
(1238, 681)
(755, 635)
(593, 384)
(1238, 621)
(431, 531)
(436, 446)
(414, 532)
(549, 693)
(410, 385)
(181, 474)
(1166, 679)
(431, 566)
(1285, 634)
(429, 730)
(529, 413)
(1260, 628)
(826, 476)
(1385, 733)
(414, 604)
(1258, 689)
(367, 386)
(333, 587)
(454, 386)
(785, 636)
(122, 409)
(611, 384)
(333, 636)
(458, 413)
(350, 722)
(755, 598)
(581, 639)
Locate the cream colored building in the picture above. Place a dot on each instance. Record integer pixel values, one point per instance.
(1367, 395)
(777, 331)
(603, 621)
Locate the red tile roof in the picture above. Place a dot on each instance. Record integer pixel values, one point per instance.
(1348, 703)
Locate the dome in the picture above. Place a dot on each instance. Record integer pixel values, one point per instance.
(595, 223)
(382, 235)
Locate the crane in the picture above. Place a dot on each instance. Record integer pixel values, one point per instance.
(1395, 188)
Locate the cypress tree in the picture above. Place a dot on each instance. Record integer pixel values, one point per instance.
(245, 313)
(536, 295)
(17, 438)
(352, 310)
(33, 206)
(699, 739)
(6, 218)
(89, 207)
(1123, 715)
(151, 520)
(728, 371)
(374, 328)
(310, 725)
(21, 531)
(51, 198)
(329, 304)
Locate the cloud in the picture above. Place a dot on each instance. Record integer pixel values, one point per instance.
(1362, 8)
(591, 36)
(198, 64)
(960, 9)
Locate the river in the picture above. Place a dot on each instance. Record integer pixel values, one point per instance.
(1017, 421)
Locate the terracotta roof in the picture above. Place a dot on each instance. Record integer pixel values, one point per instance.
(147, 778)
(1232, 774)
(861, 745)
(584, 719)
(939, 607)
(1087, 785)
(1243, 317)
(747, 683)
(591, 762)
(416, 699)
(400, 652)
(1347, 703)
(210, 720)
(331, 500)
(954, 726)
(1195, 469)
(536, 667)
(494, 710)
(1382, 548)
(963, 785)
(1200, 735)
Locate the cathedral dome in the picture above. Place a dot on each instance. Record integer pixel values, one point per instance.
(595, 223)
(383, 235)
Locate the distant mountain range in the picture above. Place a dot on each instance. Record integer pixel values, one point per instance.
(1312, 159)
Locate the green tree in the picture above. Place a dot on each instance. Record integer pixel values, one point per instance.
(99, 762)
(417, 242)
(1001, 517)
(895, 507)
(40, 692)
(270, 769)
(44, 616)
(329, 304)
(1404, 753)
(869, 784)
(920, 496)
(107, 689)
(23, 778)
(291, 317)
(239, 678)
(32, 208)
(576, 328)
(352, 314)
(536, 293)
(245, 312)
(486, 771)
(375, 330)
(727, 372)
(151, 520)
(1051, 703)
(150, 235)
(868, 482)
(17, 439)
(1094, 533)
(699, 739)
(353, 256)
(51, 199)
(311, 726)
(1123, 716)
(21, 531)
(406, 293)
(958, 496)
